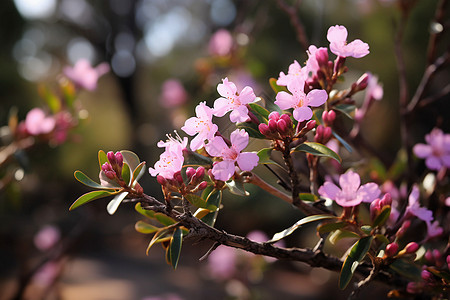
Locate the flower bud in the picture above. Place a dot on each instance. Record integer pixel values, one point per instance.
(272, 125)
(119, 159)
(331, 116)
(339, 65)
(426, 276)
(199, 173)
(264, 129)
(108, 170)
(287, 119)
(411, 248)
(310, 125)
(403, 228)
(438, 258)
(274, 116)
(386, 200)
(413, 287)
(202, 185)
(189, 173)
(111, 157)
(282, 127)
(326, 135)
(429, 256)
(375, 208)
(362, 82)
(322, 57)
(391, 249)
(161, 180)
(177, 176)
(319, 133)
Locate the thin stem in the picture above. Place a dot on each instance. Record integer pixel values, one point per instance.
(292, 13)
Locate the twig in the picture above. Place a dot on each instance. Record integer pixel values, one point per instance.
(292, 13)
(435, 35)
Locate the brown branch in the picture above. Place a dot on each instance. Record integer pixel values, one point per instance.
(435, 35)
(292, 12)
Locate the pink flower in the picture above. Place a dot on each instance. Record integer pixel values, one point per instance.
(47, 237)
(295, 70)
(84, 75)
(230, 155)
(172, 159)
(350, 193)
(414, 207)
(300, 101)
(220, 43)
(222, 262)
(173, 93)
(316, 57)
(437, 150)
(37, 123)
(434, 230)
(230, 100)
(201, 125)
(337, 36)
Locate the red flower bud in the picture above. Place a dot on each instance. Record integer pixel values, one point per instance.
(411, 248)
(202, 185)
(362, 82)
(322, 57)
(287, 119)
(391, 249)
(326, 135)
(272, 125)
(199, 173)
(426, 276)
(429, 256)
(264, 129)
(274, 116)
(111, 157)
(119, 159)
(310, 125)
(282, 127)
(161, 180)
(177, 176)
(108, 170)
(190, 172)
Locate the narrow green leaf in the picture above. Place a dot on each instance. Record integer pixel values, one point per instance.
(280, 235)
(275, 87)
(165, 220)
(343, 142)
(145, 212)
(251, 129)
(90, 197)
(355, 256)
(214, 198)
(383, 216)
(329, 227)
(84, 179)
(366, 229)
(102, 158)
(308, 197)
(260, 112)
(113, 205)
(237, 187)
(407, 269)
(345, 109)
(192, 158)
(145, 228)
(318, 150)
(264, 157)
(199, 202)
(341, 234)
(130, 158)
(138, 172)
(175, 247)
(126, 173)
(159, 235)
(382, 238)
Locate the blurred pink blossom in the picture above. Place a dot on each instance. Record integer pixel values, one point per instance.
(47, 274)
(230, 155)
(222, 262)
(220, 43)
(36, 122)
(351, 192)
(414, 207)
(437, 150)
(173, 93)
(337, 36)
(47, 237)
(84, 75)
(232, 101)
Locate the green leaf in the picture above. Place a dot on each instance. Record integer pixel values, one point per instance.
(138, 172)
(145, 228)
(130, 158)
(214, 198)
(237, 187)
(192, 158)
(308, 197)
(53, 102)
(113, 205)
(145, 212)
(345, 109)
(275, 87)
(126, 173)
(84, 179)
(329, 227)
(102, 158)
(260, 112)
(366, 229)
(251, 129)
(341, 234)
(175, 247)
(264, 157)
(163, 219)
(317, 149)
(90, 197)
(383, 216)
(382, 238)
(407, 269)
(280, 235)
(158, 237)
(355, 256)
(199, 202)
(343, 142)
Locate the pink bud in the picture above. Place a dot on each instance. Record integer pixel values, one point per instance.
(386, 200)
(108, 170)
(438, 258)
(411, 248)
(427, 276)
(274, 116)
(200, 172)
(202, 185)
(310, 125)
(319, 133)
(287, 119)
(331, 116)
(177, 176)
(362, 82)
(111, 157)
(391, 249)
(412, 287)
(119, 159)
(325, 116)
(429, 256)
(326, 134)
(273, 125)
(161, 180)
(375, 208)
(264, 129)
(190, 172)
(282, 127)
(322, 57)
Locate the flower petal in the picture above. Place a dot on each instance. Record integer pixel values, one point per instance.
(239, 139)
(329, 190)
(317, 97)
(369, 192)
(302, 113)
(247, 161)
(223, 170)
(350, 182)
(221, 107)
(337, 34)
(216, 146)
(422, 150)
(284, 100)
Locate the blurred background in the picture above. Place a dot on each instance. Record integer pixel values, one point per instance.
(165, 57)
